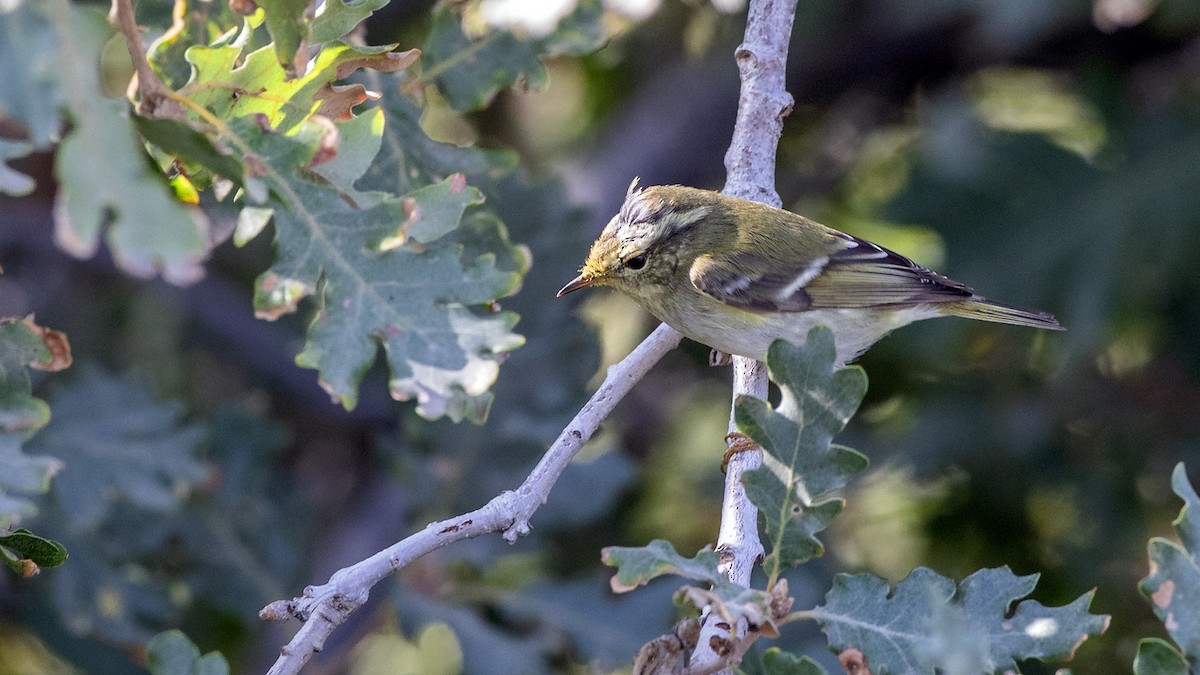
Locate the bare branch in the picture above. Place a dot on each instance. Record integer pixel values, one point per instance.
(153, 99)
(750, 162)
(323, 608)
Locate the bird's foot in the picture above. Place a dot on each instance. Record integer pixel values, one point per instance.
(737, 443)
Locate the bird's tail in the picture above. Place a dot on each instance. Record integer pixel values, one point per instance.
(989, 310)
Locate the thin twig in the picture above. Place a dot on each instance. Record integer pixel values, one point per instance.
(323, 608)
(153, 100)
(750, 162)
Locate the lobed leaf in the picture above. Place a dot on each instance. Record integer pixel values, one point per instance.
(470, 71)
(801, 466)
(30, 95)
(172, 653)
(162, 235)
(338, 17)
(24, 344)
(1157, 657)
(778, 662)
(118, 443)
(232, 84)
(288, 26)
(927, 624)
(1173, 585)
(638, 565)
(422, 303)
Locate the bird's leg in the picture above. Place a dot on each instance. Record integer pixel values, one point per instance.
(737, 442)
(718, 358)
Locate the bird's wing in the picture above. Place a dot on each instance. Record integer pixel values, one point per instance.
(856, 274)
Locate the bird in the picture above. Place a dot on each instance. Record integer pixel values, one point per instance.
(736, 275)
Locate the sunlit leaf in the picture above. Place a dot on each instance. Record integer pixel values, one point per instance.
(338, 17)
(288, 28)
(232, 84)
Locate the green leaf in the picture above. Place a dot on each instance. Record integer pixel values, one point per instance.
(359, 139)
(21, 545)
(425, 305)
(30, 91)
(118, 444)
(469, 72)
(926, 623)
(777, 662)
(261, 85)
(800, 465)
(13, 182)
(1157, 657)
(22, 344)
(172, 653)
(339, 17)
(1173, 585)
(103, 172)
(182, 140)
(637, 565)
(288, 28)
(204, 23)
(409, 158)
(245, 535)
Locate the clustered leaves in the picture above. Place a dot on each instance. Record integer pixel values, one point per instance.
(926, 624)
(24, 345)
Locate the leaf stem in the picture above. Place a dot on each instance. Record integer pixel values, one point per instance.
(154, 100)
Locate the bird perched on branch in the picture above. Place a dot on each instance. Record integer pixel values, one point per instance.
(735, 275)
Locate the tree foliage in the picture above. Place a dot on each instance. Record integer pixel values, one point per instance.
(364, 201)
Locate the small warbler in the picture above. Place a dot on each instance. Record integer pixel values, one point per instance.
(735, 275)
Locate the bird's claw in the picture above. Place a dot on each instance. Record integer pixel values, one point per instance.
(737, 443)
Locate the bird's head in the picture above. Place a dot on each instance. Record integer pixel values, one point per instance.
(651, 239)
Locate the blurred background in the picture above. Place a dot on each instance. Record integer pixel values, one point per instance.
(1046, 152)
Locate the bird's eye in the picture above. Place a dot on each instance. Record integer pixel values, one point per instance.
(637, 262)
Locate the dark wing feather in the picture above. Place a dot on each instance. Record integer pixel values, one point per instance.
(869, 275)
(747, 281)
(857, 274)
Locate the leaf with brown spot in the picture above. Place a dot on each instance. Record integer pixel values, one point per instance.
(1173, 585)
(22, 345)
(58, 349)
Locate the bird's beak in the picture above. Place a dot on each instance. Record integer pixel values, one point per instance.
(577, 283)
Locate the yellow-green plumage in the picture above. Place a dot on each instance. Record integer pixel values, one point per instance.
(736, 275)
